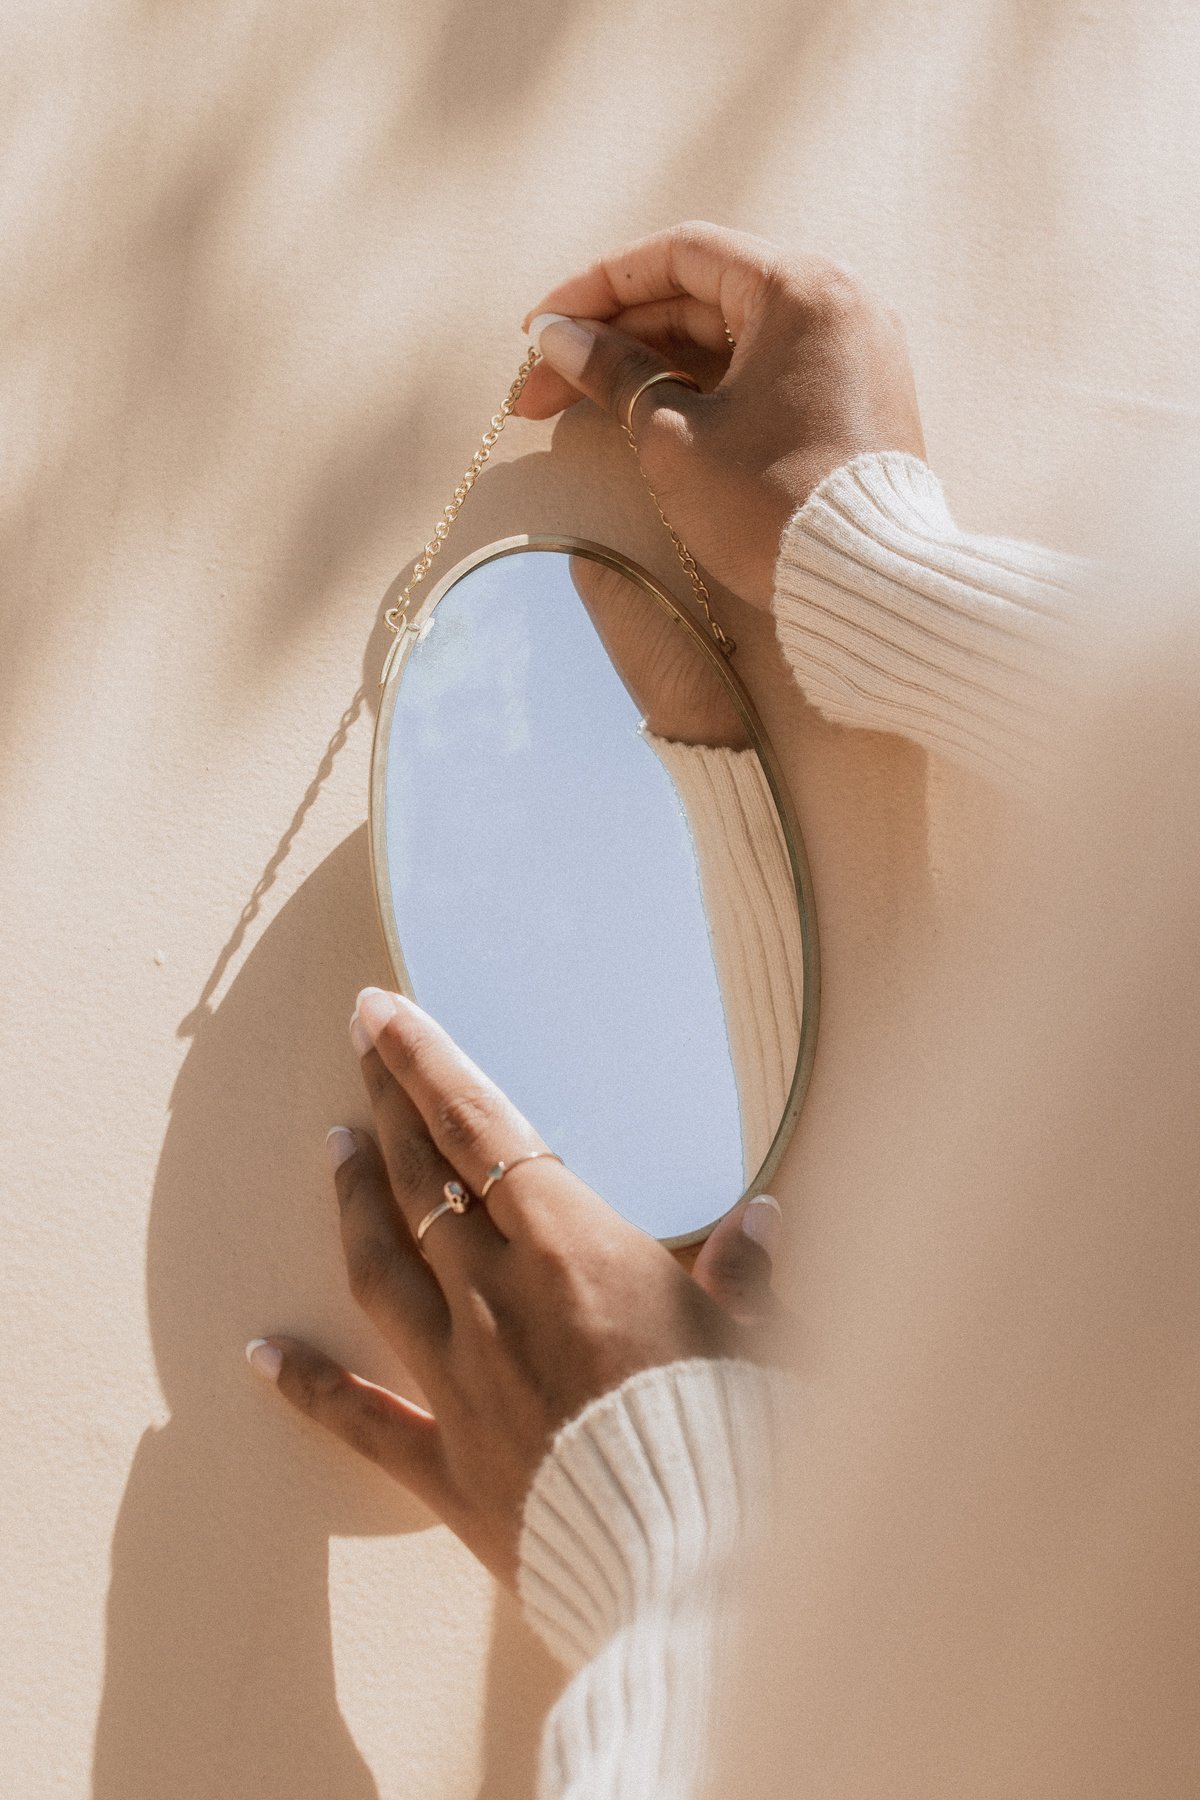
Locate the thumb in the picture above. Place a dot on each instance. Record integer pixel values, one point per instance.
(608, 367)
(735, 1263)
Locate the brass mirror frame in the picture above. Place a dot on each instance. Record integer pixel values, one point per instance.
(377, 824)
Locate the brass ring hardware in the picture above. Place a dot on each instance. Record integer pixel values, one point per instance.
(396, 617)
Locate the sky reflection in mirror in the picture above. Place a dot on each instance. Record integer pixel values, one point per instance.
(547, 898)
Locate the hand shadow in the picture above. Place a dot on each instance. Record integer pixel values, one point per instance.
(219, 1677)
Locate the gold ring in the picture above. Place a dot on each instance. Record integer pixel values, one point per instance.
(663, 375)
(499, 1170)
(457, 1200)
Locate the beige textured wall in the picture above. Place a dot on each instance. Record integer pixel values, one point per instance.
(263, 267)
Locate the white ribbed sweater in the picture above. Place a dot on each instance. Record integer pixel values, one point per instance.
(753, 922)
(635, 1527)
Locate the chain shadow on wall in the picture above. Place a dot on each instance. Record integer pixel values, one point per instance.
(219, 1673)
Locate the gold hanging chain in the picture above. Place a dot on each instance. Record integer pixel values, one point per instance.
(396, 617)
(724, 642)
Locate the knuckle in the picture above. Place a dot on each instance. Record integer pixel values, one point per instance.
(364, 1421)
(741, 1282)
(485, 1317)
(741, 1269)
(463, 1118)
(838, 293)
(695, 231)
(554, 1262)
(317, 1384)
(377, 1077)
(412, 1160)
(368, 1266)
(785, 281)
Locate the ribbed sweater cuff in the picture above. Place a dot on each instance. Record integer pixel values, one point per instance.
(645, 1499)
(894, 619)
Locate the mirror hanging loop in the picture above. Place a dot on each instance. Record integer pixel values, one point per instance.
(396, 617)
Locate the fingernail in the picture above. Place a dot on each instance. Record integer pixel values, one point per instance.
(371, 1013)
(565, 343)
(266, 1359)
(762, 1222)
(339, 1145)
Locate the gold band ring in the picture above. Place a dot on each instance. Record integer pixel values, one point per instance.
(663, 375)
(456, 1200)
(499, 1170)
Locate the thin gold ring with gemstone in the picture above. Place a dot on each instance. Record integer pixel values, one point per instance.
(499, 1170)
(455, 1199)
(663, 375)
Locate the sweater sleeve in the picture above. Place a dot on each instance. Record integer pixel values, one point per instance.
(635, 1531)
(895, 619)
(753, 923)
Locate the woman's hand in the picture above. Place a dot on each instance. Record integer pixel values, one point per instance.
(820, 374)
(520, 1310)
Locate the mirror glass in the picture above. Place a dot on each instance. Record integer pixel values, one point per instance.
(583, 873)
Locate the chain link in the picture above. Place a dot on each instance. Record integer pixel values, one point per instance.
(724, 642)
(396, 617)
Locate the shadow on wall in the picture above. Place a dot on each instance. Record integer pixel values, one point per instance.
(219, 1676)
(165, 355)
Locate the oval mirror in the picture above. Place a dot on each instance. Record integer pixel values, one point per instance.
(587, 869)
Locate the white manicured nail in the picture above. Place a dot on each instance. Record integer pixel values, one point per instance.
(565, 343)
(339, 1146)
(266, 1359)
(762, 1222)
(372, 1012)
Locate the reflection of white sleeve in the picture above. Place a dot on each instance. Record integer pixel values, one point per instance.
(753, 922)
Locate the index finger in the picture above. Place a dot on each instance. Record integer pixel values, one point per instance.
(472, 1123)
(725, 269)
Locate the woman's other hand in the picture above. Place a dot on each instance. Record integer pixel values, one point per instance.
(820, 374)
(520, 1310)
